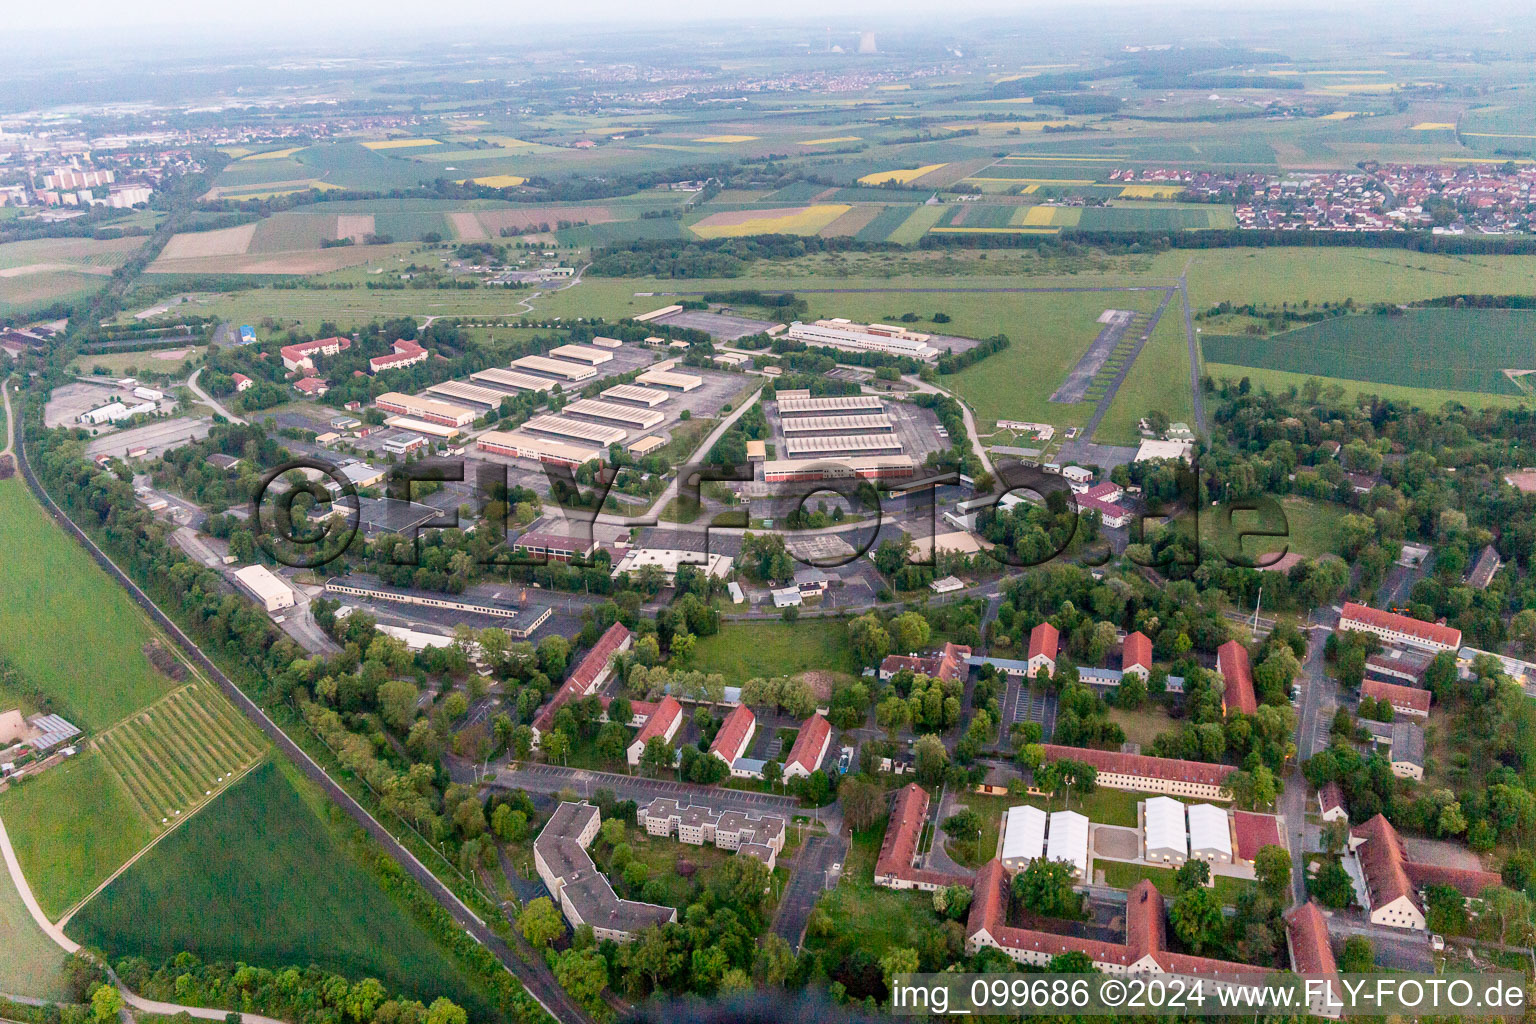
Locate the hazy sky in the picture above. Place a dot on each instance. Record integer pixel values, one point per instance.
(90, 16)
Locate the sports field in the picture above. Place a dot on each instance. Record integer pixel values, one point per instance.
(260, 878)
(72, 826)
(177, 753)
(65, 625)
(1445, 349)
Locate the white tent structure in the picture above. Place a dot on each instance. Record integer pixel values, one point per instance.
(1166, 836)
(1210, 833)
(1068, 840)
(1023, 836)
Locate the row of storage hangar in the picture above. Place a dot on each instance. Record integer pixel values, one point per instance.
(1172, 832)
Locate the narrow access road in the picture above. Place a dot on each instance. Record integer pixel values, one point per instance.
(965, 413)
(1201, 427)
(10, 426)
(206, 399)
(536, 977)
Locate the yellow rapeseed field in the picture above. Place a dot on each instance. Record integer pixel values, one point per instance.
(1168, 191)
(900, 175)
(274, 154)
(496, 181)
(1433, 126)
(727, 138)
(401, 143)
(824, 142)
(802, 221)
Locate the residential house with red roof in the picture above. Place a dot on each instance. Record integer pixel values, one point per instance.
(1306, 937)
(894, 868)
(1143, 773)
(1044, 642)
(1136, 656)
(948, 664)
(662, 723)
(1330, 802)
(301, 357)
(1145, 950)
(735, 735)
(406, 353)
(1394, 883)
(312, 386)
(1399, 629)
(1405, 700)
(242, 382)
(810, 747)
(1237, 678)
(585, 678)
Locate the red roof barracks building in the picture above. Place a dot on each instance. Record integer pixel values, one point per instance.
(1143, 773)
(1399, 629)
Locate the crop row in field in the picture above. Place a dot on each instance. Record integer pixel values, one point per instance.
(176, 753)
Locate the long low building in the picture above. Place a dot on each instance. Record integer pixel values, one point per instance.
(513, 379)
(1147, 774)
(518, 445)
(648, 397)
(668, 560)
(865, 423)
(1395, 883)
(561, 368)
(1068, 841)
(1405, 700)
(591, 672)
(1399, 629)
(841, 333)
(894, 867)
(579, 430)
(801, 405)
(670, 379)
(420, 426)
(1023, 836)
(879, 467)
(269, 589)
(580, 890)
(429, 409)
(1166, 832)
(488, 397)
(644, 419)
(582, 354)
(842, 444)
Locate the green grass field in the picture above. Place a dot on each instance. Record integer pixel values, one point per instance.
(31, 964)
(92, 662)
(72, 826)
(1121, 875)
(259, 877)
(1144, 724)
(1050, 332)
(1445, 349)
(1159, 379)
(742, 650)
(867, 917)
(1424, 398)
(1272, 276)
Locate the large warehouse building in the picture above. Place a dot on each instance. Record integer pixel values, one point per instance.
(648, 397)
(488, 397)
(1023, 836)
(883, 467)
(643, 419)
(513, 379)
(582, 354)
(841, 333)
(841, 444)
(577, 430)
(867, 423)
(518, 445)
(561, 368)
(273, 593)
(670, 379)
(797, 404)
(428, 409)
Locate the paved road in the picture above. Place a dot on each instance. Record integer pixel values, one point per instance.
(818, 867)
(965, 414)
(535, 975)
(1396, 948)
(1108, 399)
(10, 430)
(208, 399)
(652, 513)
(551, 778)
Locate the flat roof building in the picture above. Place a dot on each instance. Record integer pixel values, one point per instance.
(561, 368)
(488, 397)
(273, 594)
(513, 379)
(578, 430)
(642, 419)
(870, 423)
(798, 404)
(841, 333)
(669, 559)
(879, 467)
(648, 397)
(428, 409)
(582, 354)
(420, 426)
(670, 379)
(647, 444)
(1023, 836)
(582, 893)
(749, 835)
(518, 445)
(843, 444)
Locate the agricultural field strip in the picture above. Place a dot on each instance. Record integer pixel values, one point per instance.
(161, 752)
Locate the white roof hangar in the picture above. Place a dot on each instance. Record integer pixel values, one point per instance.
(1023, 836)
(864, 423)
(580, 430)
(512, 379)
(1068, 840)
(649, 397)
(804, 405)
(798, 447)
(1210, 833)
(644, 419)
(1167, 837)
(562, 368)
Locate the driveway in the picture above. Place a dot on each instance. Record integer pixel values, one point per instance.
(817, 868)
(206, 399)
